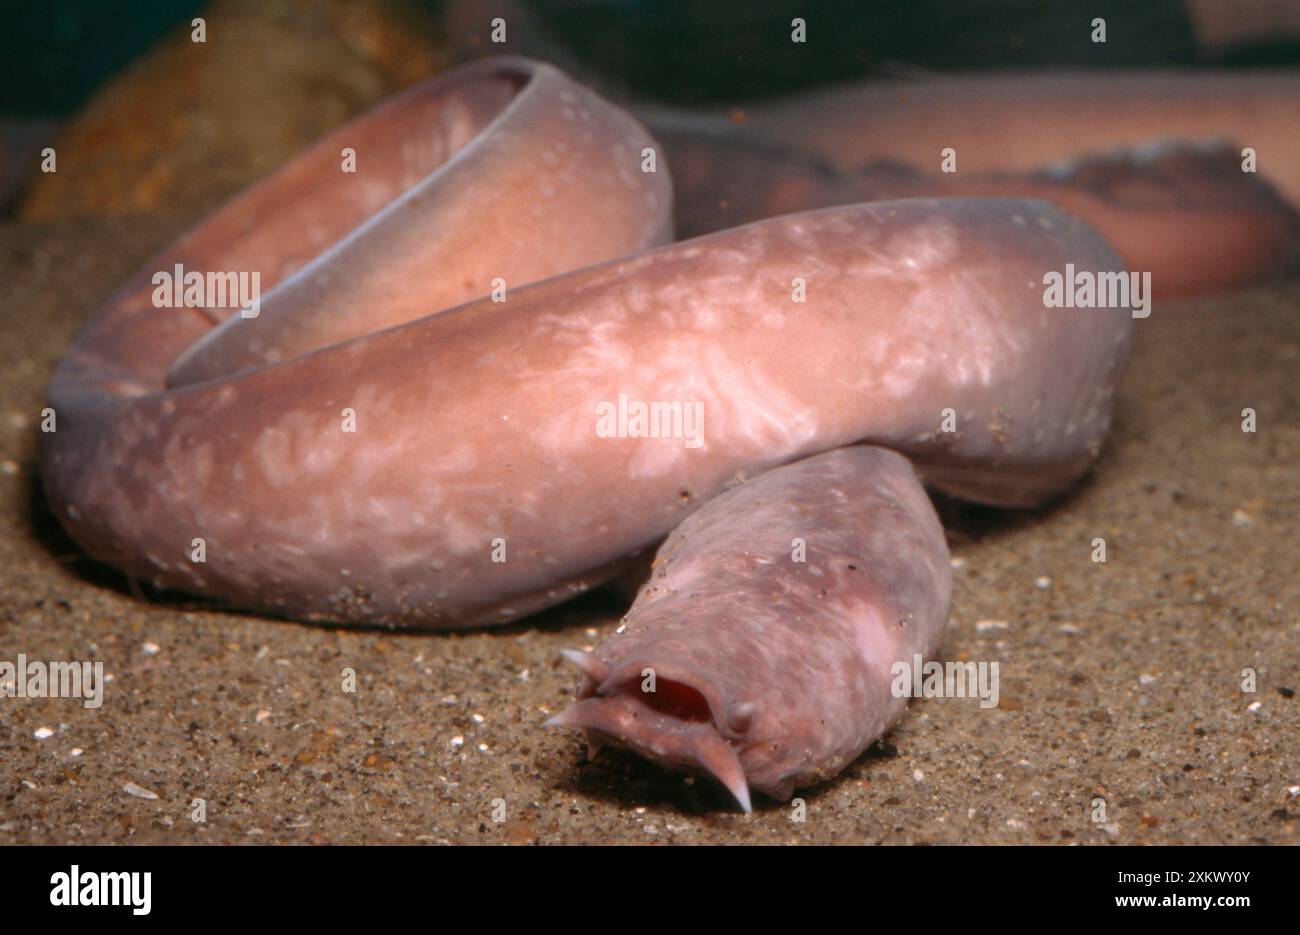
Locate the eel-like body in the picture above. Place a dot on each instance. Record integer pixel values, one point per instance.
(410, 432)
(1154, 161)
(999, 122)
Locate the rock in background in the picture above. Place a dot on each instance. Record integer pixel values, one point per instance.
(188, 124)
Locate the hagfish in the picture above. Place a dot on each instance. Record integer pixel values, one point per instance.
(426, 422)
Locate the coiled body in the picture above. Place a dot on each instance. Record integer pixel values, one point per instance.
(410, 432)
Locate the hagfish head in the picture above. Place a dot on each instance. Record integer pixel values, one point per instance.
(675, 718)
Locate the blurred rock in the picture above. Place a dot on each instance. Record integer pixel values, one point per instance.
(20, 144)
(188, 124)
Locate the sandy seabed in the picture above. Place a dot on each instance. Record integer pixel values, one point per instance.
(1120, 682)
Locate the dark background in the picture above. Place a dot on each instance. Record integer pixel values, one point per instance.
(54, 54)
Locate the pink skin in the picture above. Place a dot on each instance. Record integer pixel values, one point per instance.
(482, 424)
(1184, 212)
(773, 673)
(477, 428)
(1000, 123)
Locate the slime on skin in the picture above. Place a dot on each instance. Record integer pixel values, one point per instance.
(475, 419)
